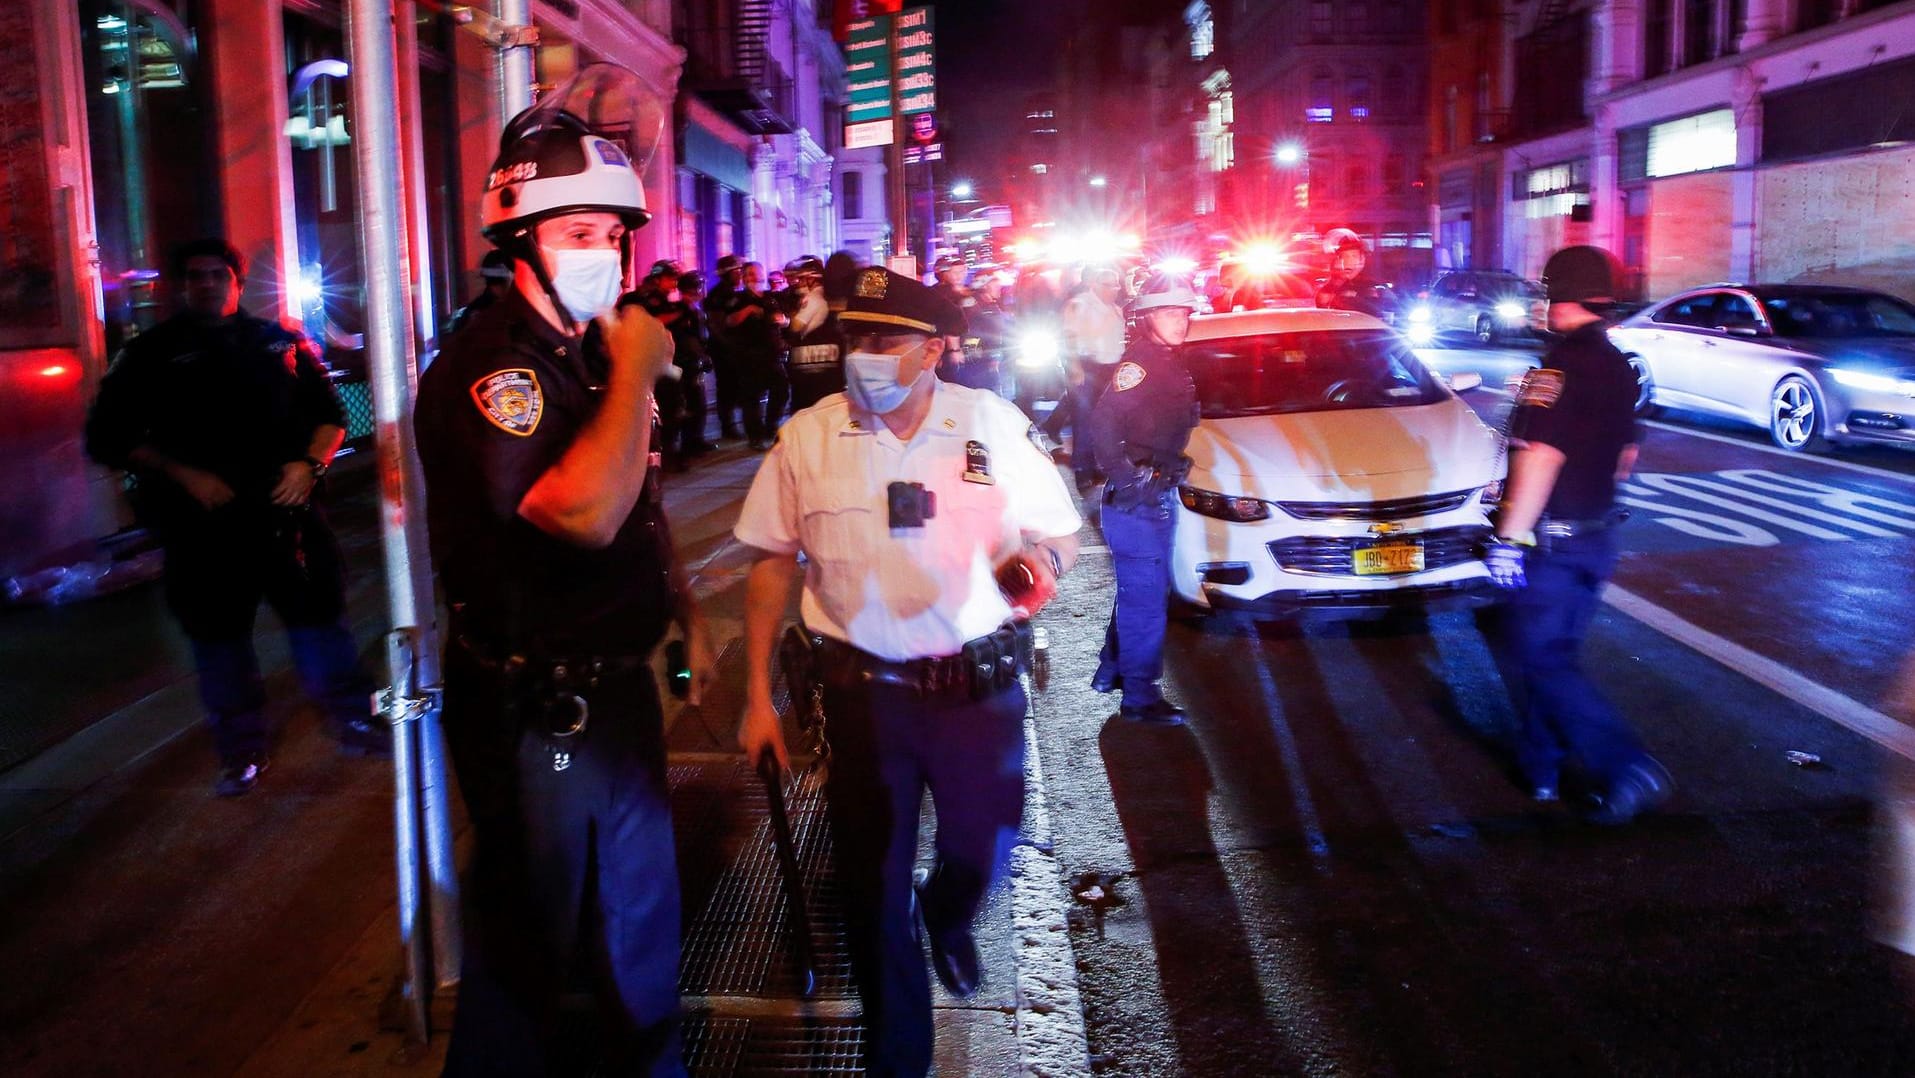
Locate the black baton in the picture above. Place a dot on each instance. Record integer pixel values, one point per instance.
(796, 919)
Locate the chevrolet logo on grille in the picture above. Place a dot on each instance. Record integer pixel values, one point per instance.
(1385, 528)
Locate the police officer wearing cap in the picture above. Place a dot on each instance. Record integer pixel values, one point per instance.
(1573, 436)
(535, 430)
(227, 424)
(910, 499)
(816, 360)
(1139, 429)
(950, 272)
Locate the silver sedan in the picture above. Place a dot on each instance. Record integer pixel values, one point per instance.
(1813, 365)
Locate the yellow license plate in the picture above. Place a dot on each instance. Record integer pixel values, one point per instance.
(1389, 558)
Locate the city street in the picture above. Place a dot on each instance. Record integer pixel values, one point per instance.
(1331, 869)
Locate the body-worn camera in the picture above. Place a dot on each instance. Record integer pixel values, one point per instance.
(909, 504)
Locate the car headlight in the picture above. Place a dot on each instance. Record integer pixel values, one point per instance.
(1870, 382)
(1511, 312)
(1209, 503)
(1038, 348)
(1492, 495)
(1419, 314)
(1420, 333)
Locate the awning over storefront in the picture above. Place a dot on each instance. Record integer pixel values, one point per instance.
(708, 153)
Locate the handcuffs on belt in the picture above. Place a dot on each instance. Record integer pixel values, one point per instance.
(553, 691)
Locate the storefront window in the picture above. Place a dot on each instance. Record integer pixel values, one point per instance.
(329, 291)
(149, 135)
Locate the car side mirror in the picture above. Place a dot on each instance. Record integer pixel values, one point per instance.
(1464, 381)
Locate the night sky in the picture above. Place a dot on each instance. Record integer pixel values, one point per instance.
(992, 54)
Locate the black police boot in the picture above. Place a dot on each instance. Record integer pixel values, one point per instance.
(1641, 787)
(1155, 713)
(363, 736)
(1106, 679)
(953, 951)
(238, 778)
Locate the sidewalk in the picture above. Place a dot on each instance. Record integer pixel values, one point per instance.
(156, 923)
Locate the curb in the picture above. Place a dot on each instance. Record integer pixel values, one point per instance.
(1049, 1021)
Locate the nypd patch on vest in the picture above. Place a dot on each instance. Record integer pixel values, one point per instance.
(1128, 376)
(510, 400)
(977, 464)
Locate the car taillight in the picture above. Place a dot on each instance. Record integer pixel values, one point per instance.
(1209, 503)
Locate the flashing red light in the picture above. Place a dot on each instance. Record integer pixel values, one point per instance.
(54, 371)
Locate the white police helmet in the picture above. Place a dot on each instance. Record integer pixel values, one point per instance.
(579, 150)
(1164, 291)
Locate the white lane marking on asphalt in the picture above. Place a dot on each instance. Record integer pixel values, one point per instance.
(1049, 1021)
(1686, 485)
(1293, 766)
(1891, 734)
(1835, 498)
(1694, 521)
(1814, 458)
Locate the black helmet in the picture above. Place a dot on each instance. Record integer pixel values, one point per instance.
(666, 267)
(805, 266)
(730, 263)
(1580, 274)
(691, 282)
(948, 261)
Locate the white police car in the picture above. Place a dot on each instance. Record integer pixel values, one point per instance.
(1331, 470)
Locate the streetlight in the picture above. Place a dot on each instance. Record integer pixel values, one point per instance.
(961, 190)
(1289, 153)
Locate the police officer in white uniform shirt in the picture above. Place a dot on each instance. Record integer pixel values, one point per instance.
(932, 528)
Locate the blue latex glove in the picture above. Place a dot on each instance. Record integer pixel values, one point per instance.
(1504, 560)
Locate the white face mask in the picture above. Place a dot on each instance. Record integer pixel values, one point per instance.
(871, 381)
(588, 282)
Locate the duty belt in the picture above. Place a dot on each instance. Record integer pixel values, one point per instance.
(556, 687)
(983, 667)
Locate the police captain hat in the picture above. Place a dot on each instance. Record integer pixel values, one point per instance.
(881, 299)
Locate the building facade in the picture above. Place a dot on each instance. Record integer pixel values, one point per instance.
(1702, 140)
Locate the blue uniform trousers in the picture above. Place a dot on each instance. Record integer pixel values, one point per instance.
(888, 744)
(1564, 716)
(1140, 539)
(574, 882)
(219, 566)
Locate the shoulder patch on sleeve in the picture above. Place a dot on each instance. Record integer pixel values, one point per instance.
(1127, 376)
(511, 400)
(1541, 388)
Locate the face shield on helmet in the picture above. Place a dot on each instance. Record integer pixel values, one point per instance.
(580, 150)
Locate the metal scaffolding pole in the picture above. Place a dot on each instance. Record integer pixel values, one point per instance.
(515, 58)
(428, 890)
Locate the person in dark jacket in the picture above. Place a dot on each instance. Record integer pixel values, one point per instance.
(227, 424)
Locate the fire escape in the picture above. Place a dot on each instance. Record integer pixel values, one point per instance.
(730, 65)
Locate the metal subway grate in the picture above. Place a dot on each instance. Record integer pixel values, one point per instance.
(719, 1046)
(736, 941)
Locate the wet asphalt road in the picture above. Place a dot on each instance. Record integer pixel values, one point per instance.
(1331, 871)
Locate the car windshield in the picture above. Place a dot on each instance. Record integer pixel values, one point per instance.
(1839, 314)
(1319, 371)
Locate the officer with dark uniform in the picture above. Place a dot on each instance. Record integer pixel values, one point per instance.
(753, 325)
(1573, 436)
(817, 345)
(681, 398)
(1139, 429)
(227, 424)
(727, 371)
(535, 429)
(950, 271)
(932, 527)
(1347, 289)
(691, 338)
